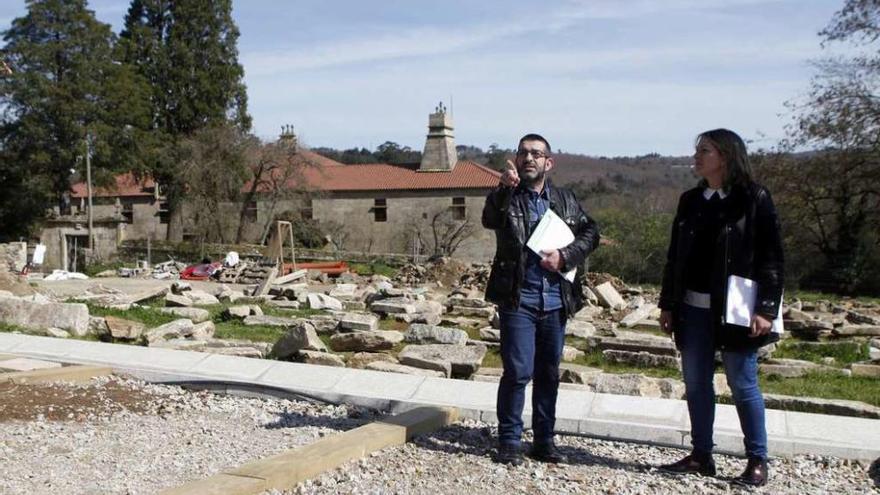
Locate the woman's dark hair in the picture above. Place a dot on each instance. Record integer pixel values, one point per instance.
(736, 157)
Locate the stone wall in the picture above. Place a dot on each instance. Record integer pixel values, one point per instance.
(59, 236)
(13, 257)
(407, 214)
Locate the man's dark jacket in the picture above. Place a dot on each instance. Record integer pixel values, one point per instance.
(507, 213)
(749, 245)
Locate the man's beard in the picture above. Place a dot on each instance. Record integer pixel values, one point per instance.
(529, 181)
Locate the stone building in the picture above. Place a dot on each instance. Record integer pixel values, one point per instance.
(419, 208)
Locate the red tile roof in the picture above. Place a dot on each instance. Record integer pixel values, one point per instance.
(126, 185)
(322, 173)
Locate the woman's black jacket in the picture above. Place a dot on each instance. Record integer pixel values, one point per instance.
(506, 212)
(749, 245)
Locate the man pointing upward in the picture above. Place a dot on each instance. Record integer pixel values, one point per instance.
(534, 300)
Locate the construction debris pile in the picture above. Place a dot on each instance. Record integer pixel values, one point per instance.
(445, 272)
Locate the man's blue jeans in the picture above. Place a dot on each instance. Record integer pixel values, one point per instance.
(698, 367)
(531, 346)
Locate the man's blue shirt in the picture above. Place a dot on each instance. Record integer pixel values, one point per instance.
(540, 289)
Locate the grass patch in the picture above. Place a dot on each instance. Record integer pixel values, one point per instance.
(147, 315)
(825, 386)
(595, 359)
(375, 268)
(389, 324)
(256, 333)
(287, 313)
(810, 296)
(7, 328)
(492, 359)
(844, 353)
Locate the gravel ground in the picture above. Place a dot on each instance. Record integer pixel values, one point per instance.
(127, 437)
(154, 438)
(457, 460)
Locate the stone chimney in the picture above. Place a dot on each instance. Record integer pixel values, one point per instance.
(439, 154)
(288, 137)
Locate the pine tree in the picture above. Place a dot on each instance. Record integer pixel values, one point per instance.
(62, 83)
(187, 50)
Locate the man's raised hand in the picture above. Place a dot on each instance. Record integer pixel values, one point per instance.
(510, 177)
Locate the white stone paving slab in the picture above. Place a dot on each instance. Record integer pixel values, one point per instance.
(35, 346)
(136, 357)
(379, 384)
(9, 341)
(235, 368)
(298, 376)
(460, 393)
(727, 421)
(639, 410)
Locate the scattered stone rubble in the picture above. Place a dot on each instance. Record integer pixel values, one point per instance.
(424, 324)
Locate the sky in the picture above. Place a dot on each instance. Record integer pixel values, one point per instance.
(598, 77)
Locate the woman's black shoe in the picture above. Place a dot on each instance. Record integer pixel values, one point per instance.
(691, 464)
(756, 473)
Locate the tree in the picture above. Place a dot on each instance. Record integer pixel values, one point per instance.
(63, 82)
(444, 234)
(276, 173)
(223, 147)
(496, 157)
(830, 197)
(391, 152)
(187, 50)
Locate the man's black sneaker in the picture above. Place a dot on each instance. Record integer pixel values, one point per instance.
(547, 453)
(509, 454)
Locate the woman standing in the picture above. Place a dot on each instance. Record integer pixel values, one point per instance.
(725, 226)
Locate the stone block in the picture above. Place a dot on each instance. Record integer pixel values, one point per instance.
(430, 334)
(197, 315)
(379, 340)
(365, 322)
(321, 358)
(177, 301)
(609, 297)
(360, 360)
(390, 367)
(299, 337)
(490, 334)
(72, 317)
(172, 330)
(120, 328)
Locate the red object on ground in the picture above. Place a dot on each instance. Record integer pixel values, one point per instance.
(200, 272)
(332, 268)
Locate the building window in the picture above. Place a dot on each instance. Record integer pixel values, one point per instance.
(458, 209)
(380, 210)
(128, 212)
(250, 212)
(306, 212)
(164, 213)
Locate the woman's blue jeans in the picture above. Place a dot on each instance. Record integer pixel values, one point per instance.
(531, 347)
(696, 341)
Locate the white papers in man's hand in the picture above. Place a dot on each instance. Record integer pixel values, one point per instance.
(551, 233)
(741, 296)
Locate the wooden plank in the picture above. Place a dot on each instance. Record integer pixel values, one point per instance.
(285, 470)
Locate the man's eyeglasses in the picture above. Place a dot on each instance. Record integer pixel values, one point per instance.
(536, 154)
